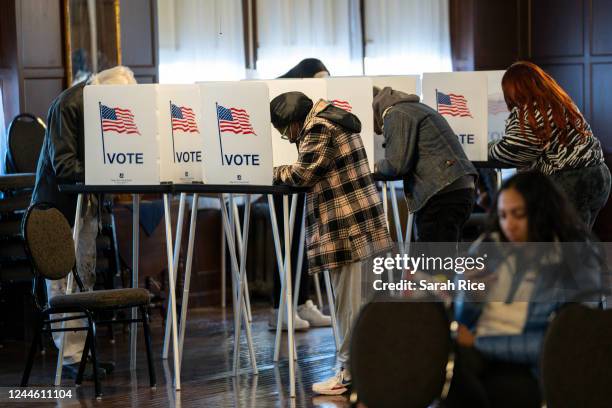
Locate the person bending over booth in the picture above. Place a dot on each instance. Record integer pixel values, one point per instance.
(62, 160)
(547, 133)
(500, 337)
(345, 222)
(307, 68)
(421, 147)
(307, 314)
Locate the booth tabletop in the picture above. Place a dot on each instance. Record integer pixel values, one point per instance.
(236, 189)
(17, 181)
(180, 188)
(115, 189)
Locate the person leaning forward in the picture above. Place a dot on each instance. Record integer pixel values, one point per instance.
(345, 222)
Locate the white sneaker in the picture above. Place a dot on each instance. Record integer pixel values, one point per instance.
(298, 323)
(335, 385)
(311, 313)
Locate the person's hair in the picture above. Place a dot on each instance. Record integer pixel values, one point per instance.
(550, 215)
(528, 88)
(307, 68)
(119, 75)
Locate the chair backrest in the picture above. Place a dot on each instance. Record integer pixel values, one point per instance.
(399, 353)
(49, 242)
(26, 134)
(576, 358)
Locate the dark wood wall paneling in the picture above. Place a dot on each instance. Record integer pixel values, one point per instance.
(487, 34)
(9, 76)
(572, 40)
(41, 54)
(139, 39)
(32, 54)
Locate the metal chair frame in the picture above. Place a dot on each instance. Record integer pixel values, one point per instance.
(43, 320)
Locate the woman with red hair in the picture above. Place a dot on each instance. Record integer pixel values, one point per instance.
(547, 133)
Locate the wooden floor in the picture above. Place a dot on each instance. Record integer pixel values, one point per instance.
(207, 363)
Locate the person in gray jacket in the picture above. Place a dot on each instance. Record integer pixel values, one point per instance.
(422, 149)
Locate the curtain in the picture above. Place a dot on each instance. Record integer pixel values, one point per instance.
(291, 30)
(407, 36)
(200, 40)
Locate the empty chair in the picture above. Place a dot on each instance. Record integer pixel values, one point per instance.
(50, 247)
(26, 133)
(400, 354)
(576, 358)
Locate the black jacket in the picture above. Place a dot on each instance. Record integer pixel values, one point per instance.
(62, 157)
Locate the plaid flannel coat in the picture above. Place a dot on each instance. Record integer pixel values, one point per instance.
(345, 222)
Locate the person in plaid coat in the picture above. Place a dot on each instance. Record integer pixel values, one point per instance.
(345, 219)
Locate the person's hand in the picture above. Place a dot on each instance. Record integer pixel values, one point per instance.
(465, 337)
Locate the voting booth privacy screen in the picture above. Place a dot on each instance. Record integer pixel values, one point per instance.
(461, 98)
(498, 110)
(409, 84)
(221, 133)
(121, 134)
(285, 152)
(236, 125)
(353, 94)
(180, 133)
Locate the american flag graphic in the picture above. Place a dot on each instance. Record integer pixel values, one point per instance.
(234, 120)
(342, 104)
(452, 104)
(118, 120)
(497, 106)
(183, 119)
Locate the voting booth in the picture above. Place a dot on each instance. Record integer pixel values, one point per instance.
(121, 135)
(462, 99)
(315, 89)
(409, 84)
(498, 110)
(353, 94)
(180, 134)
(236, 126)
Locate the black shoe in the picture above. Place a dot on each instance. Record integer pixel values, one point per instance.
(70, 371)
(108, 366)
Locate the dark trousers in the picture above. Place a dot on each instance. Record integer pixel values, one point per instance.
(480, 382)
(443, 217)
(588, 190)
(301, 270)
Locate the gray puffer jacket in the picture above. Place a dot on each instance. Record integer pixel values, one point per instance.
(421, 147)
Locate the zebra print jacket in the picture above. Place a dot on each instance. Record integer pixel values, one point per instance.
(526, 150)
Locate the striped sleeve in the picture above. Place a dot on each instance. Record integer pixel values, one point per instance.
(516, 147)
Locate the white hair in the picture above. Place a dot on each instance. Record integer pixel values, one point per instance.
(119, 75)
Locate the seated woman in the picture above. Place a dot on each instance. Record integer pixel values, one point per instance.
(533, 268)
